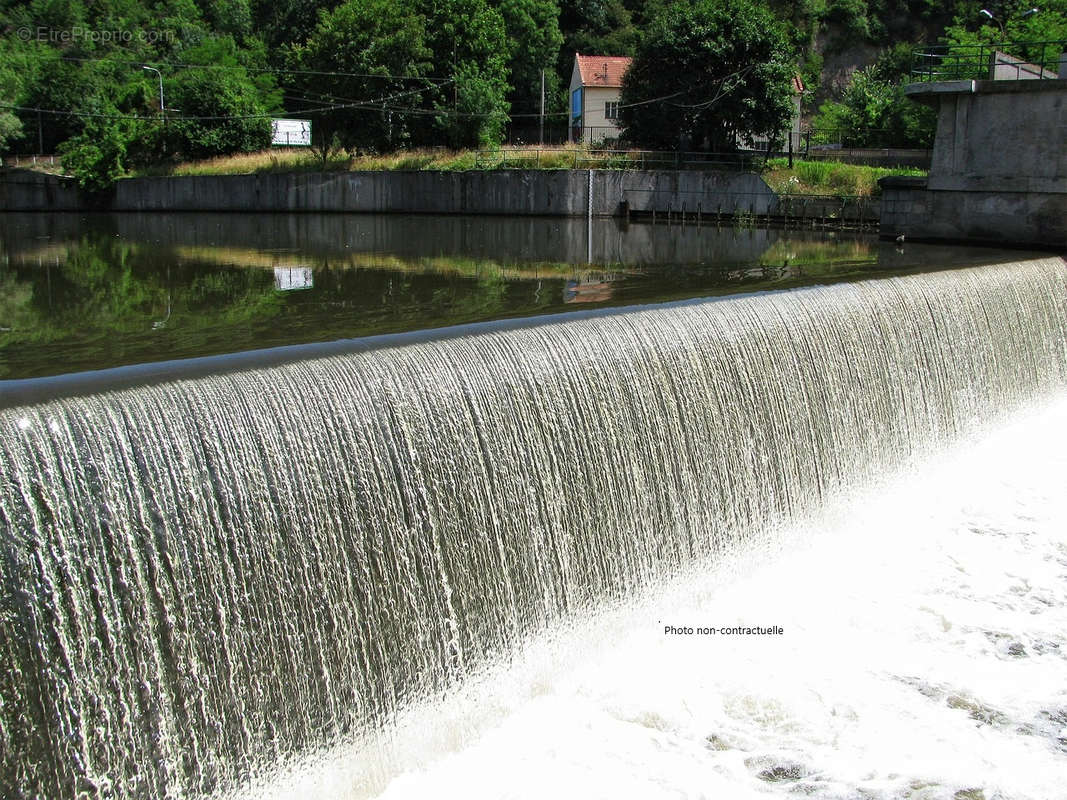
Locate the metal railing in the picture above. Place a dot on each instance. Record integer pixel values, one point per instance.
(994, 61)
(748, 208)
(525, 132)
(839, 145)
(601, 158)
(30, 160)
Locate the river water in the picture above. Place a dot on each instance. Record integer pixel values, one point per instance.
(89, 292)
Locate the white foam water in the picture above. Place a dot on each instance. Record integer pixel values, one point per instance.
(923, 654)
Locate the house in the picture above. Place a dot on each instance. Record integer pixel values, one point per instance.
(794, 132)
(596, 83)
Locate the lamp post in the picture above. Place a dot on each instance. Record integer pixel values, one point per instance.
(162, 109)
(985, 12)
(160, 74)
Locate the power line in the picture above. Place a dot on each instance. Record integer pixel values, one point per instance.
(364, 105)
(275, 70)
(376, 104)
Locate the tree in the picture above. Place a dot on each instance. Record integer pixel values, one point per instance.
(595, 27)
(17, 65)
(221, 109)
(97, 156)
(714, 71)
(874, 112)
(534, 40)
(469, 45)
(380, 47)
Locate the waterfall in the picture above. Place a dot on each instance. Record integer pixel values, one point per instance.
(204, 577)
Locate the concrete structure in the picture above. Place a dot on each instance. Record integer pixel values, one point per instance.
(999, 166)
(562, 193)
(596, 84)
(1009, 68)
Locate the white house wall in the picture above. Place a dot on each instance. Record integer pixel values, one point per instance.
(595, 99)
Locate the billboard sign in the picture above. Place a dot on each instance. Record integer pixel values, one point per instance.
(291, 132)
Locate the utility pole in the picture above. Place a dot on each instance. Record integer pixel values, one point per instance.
(542, 137)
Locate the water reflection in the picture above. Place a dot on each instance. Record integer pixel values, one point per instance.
(90, 292)
(295, 277)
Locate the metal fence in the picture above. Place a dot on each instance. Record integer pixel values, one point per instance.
(995, 61)
(527, 132)
(838, 147)
(30, 160)
(604, 158)
(676, 207)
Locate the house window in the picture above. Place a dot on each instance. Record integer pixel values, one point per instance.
(611, 110)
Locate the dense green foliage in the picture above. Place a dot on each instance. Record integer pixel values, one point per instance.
(722, 71)
(873, 111)
(373, 39)
(469, 45)
(374, 76)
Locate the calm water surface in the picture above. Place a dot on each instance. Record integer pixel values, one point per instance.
(90, 292)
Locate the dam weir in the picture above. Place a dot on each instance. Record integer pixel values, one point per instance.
(204, 578)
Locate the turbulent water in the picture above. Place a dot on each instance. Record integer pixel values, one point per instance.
(205, 579)
(923, 656)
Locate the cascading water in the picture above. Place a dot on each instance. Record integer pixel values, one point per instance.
(204, 578)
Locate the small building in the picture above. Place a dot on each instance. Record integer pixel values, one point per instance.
(795, 132)
(596, 84)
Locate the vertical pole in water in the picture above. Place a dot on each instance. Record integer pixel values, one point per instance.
(589, 219)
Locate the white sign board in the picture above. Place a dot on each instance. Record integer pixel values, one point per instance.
(291, 132)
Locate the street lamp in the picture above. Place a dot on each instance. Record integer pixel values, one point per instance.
(160, 74)
(162, 109)
(987, 13)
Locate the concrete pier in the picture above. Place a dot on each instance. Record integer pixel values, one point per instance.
(999, 168)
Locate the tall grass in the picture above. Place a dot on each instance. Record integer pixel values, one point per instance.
(524, 157)
(829, 177)
(806, 177)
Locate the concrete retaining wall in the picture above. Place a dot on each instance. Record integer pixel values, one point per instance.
(999, 169)
(26, 190)
(1018, 218)
(512, 192)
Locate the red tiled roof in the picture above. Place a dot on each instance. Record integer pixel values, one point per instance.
(602, 70)
(798, 85)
